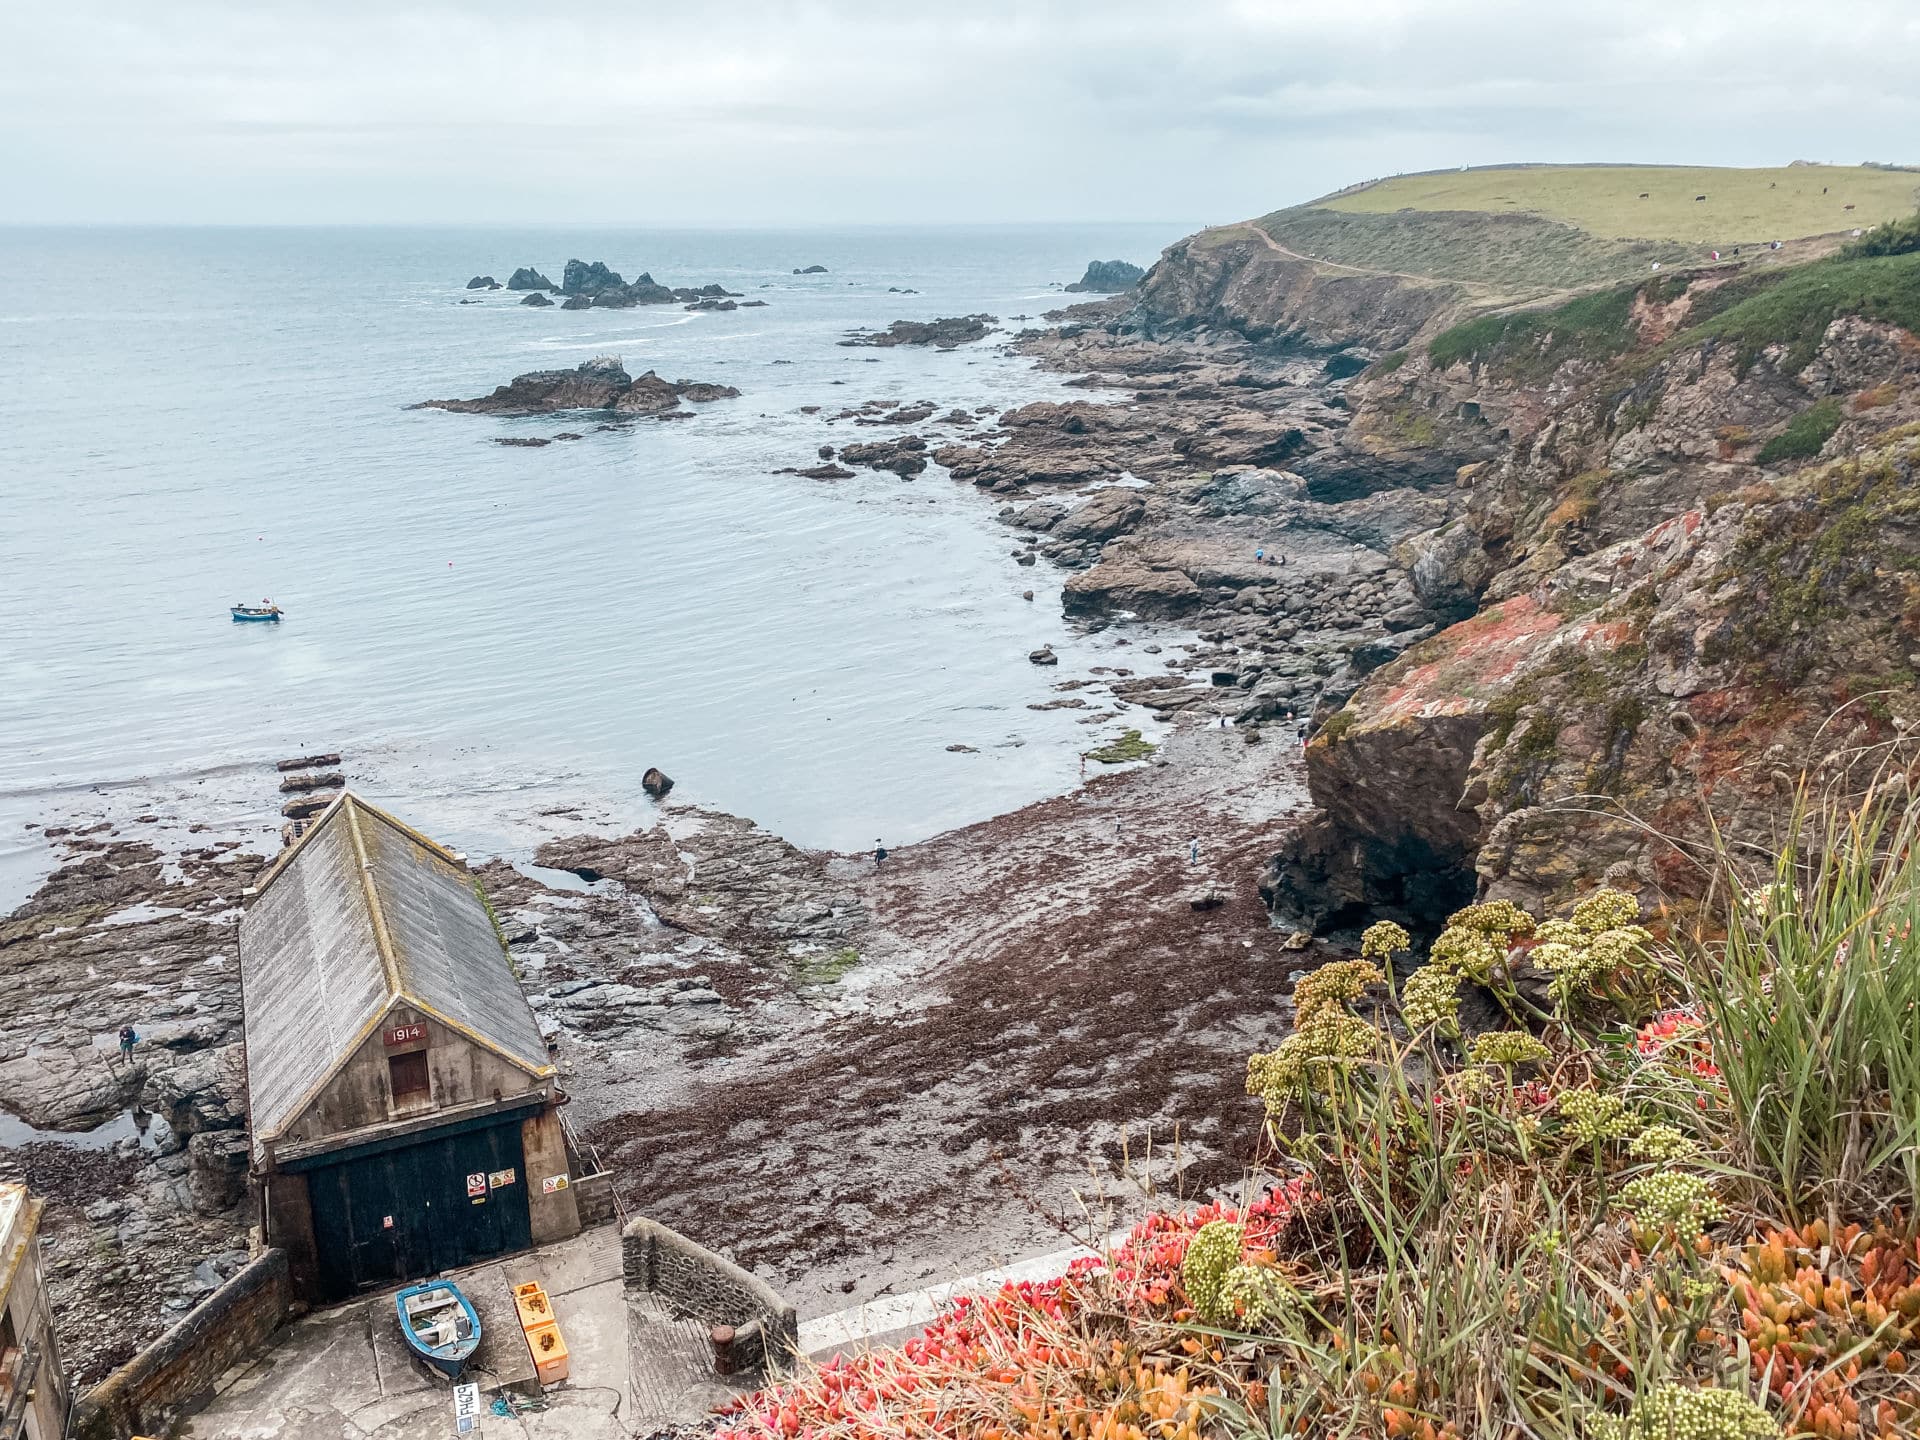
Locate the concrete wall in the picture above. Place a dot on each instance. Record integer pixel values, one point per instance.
(543, 1143)
(697, 1282)
(460, 1072)
(151, 1392)
(287, 1209)
(593, 1198)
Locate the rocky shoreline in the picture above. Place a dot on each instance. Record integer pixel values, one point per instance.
(856, 1013)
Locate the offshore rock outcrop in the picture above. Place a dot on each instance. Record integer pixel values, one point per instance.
(1108, 277)
(943, 334)
(601, 384)
(592, 285)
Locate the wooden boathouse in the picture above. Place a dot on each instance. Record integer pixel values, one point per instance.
(403, 1104)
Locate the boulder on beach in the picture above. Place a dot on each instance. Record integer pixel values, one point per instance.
(527, 278)
(1109, 277)
(483, 282)
(535, 298)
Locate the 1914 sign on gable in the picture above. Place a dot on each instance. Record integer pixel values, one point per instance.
(403, 1034)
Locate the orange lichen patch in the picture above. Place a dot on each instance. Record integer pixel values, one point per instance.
(1466, 662)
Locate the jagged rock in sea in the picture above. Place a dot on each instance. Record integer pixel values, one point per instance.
(483, 282)
(905, 457)
(810, 270)
(527, 278)
(600, 384)
(581, 278)
(942, 334)
(656, 782)
(535, 298)
(1108, 277)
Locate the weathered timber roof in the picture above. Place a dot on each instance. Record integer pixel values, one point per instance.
(361, 914)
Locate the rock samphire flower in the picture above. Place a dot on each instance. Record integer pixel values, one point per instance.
(1211, 1254)
(1672, 1201)
(1595, 1115)
(1507, 1047)
(1684, 1412)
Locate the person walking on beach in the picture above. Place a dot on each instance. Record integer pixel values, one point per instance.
(1193, 851)
(127, 1039)
(879, 853)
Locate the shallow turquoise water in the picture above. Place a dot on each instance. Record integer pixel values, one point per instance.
(195, 417)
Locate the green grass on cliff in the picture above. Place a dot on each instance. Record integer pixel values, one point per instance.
(1742, 206)
(1513, 256)
(1538, 342)
(1790, 306)
(1794, 307)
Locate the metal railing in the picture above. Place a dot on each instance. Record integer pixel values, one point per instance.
(19, 1380)
(587, 1150)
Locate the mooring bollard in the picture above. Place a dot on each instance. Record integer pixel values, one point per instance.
(723, 1361)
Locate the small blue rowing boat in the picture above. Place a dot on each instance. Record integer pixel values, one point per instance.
(439, 1325)
(265, 610)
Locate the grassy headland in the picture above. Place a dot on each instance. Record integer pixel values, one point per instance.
(1528, 232)
(1741, 206)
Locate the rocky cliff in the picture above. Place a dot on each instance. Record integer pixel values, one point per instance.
(1687, 572)
(1239, 278)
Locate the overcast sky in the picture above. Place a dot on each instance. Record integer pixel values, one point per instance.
(747, 112)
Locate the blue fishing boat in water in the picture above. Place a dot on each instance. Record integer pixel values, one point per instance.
(439, 1325)
(265, 610)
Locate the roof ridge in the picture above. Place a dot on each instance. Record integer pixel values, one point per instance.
(351, 801)
(382, 937)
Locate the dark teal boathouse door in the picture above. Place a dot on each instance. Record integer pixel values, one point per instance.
(442, 1200)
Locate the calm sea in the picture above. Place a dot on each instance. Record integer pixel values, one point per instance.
(197, 417)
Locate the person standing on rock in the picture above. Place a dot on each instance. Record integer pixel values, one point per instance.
(879, 854)
(127, 1039)
(1193, 851)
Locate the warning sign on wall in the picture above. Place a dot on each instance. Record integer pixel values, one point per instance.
(477, 1184)
(498, 1178)
(553, 1183)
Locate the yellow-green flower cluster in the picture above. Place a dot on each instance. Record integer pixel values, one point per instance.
(1325, 1043)
(1606, 909)
(1326, 1038)
(1431, 1000)
(1501, 919)
(1681, 1412)
(1466, 952)
(1507, 1047)
(1211, 1254)
(1383, 937)
(1334, 985)
(1595, 1115)
(1599, 940)
(1672, 1200)
(1256, 1296)
(1664, 1143)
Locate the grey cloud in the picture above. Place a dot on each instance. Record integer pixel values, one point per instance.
(855, 111)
